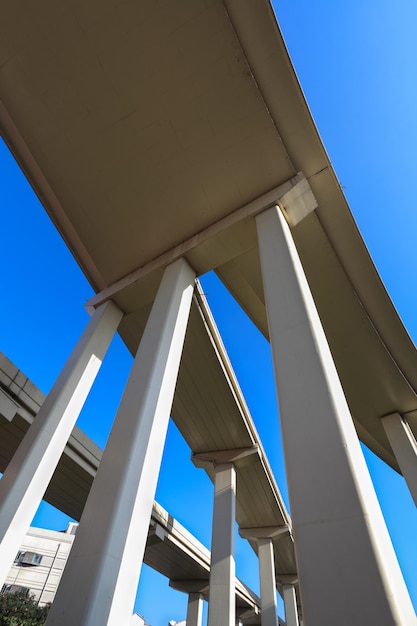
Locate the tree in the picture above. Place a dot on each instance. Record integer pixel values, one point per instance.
(21, 609)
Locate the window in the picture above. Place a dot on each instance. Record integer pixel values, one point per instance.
(17, 557)
(13, 589)
(29, 558)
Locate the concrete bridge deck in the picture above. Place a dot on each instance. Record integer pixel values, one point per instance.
(135, 176)
(158, 131)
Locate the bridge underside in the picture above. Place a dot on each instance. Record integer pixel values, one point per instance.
(149, 124)
(166, 140)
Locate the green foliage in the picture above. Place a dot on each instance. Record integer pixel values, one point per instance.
(21, 609)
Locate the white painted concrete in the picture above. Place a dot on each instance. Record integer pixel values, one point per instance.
(221, 609)
(104, 565)
(404, 446)
(195, 609)
(290, 605)
(298, 202)
(269, 613)
(339, 531)
(27, 476)
(264, 538)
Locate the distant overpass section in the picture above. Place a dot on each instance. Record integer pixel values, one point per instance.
(171, 549)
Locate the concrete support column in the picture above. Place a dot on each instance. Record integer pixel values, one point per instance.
(100, 580)
(195, 609)
(221, 609)
(264, 538)
(269, 612)
(290, 605)
(404, 446)
(28, 474)
(340, 534)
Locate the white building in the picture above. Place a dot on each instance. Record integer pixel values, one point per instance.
(39, 563)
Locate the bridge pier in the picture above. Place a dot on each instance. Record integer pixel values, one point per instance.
(195, 609)
(290, 605)
(339, 531)
(221, 608)
(100, 580)
(269, 612)
(28, 473)
(264, 539)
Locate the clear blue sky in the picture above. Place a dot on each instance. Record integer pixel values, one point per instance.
(356, 62)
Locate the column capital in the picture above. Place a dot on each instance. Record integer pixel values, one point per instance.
(298, 202)
(264, 532)
(220, 457)
(156, 533)
(243, 613)
(287, 579)
(191, 586)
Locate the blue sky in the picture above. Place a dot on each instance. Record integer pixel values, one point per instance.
(356, 63)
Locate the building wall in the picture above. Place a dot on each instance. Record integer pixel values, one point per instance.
(39, 564)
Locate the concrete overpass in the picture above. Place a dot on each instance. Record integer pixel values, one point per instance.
(160, 135)
(170, 548)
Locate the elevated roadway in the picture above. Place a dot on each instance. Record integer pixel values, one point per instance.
(259, 502)
(171, 549)
(151, 130)
(155, 131)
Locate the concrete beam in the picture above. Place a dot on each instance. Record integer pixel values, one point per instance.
(248, 210)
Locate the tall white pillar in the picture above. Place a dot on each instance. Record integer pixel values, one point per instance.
(100, 580)
(404, 446)
(269, 612)
(264, 538)
(195, 609)
(340, 534)
(28, 474)
(222, 609)
(290, 605)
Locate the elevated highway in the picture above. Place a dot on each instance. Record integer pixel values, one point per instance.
(162, 132)
(171, 549)
(259, 502)
(128, 174)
